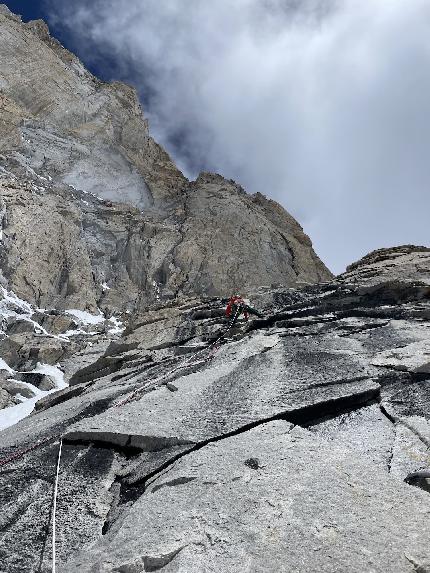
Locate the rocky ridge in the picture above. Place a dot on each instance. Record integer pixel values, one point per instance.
(297, 442)
(119, 211)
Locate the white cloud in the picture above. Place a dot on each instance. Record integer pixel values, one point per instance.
(321, 105)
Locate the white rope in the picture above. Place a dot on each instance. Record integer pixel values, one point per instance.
(54, 508)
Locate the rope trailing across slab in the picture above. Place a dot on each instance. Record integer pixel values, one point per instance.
(213, 349)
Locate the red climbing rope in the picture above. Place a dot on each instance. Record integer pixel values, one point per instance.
(21, 453)
(215, 347)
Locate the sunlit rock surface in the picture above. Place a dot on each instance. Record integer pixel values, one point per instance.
(294, 443)
(111, 207)
(298, 442)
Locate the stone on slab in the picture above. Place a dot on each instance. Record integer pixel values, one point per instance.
(307, 505)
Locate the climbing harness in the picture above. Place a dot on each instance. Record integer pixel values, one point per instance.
(237, 302)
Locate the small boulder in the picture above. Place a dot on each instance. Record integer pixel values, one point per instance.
(50, 353)
(10, 351)
(13, 387)
(6, 399)
(54, 322)
(47, 383)
(41, 381)
(18, 326)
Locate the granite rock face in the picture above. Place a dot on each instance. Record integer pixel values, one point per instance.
(87, 253)
(404, 263)
(60, 118)
(111, 207)
(296, 442)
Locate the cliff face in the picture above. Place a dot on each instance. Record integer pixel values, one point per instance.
(157, 235)
(295, 442)
(216, 241)
(291, 443)
(95, 217)
(61, 119)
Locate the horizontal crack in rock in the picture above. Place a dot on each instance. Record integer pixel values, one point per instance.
(300, 416)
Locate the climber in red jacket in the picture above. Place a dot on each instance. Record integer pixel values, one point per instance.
(237, 306)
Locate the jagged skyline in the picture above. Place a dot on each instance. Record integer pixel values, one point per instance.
(151, 421)
(344, 151)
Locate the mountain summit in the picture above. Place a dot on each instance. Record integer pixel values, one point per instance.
(126, 213)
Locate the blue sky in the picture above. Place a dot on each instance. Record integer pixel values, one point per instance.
(41, 9)
(29, 10)
(319, 104)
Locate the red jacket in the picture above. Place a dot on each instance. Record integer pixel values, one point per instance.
(235, 301)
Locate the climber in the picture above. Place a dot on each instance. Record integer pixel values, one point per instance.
(237, 306)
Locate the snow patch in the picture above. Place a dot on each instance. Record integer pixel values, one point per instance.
(76, 332)
(5, 366)
(11, 306)
(13, 414)
(85, 317)
(10, 297)
(54, 372)
(118, 327)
